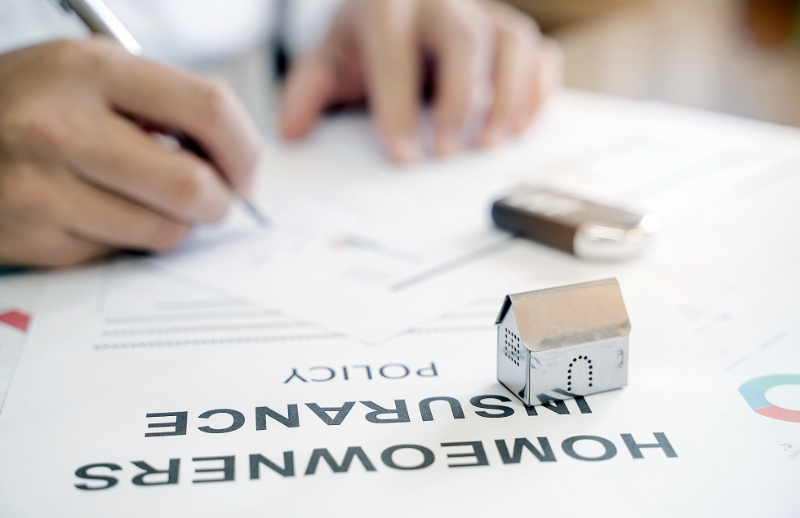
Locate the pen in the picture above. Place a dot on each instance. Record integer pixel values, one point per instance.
(100, 20)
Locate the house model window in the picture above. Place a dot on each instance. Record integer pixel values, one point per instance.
(563, 342)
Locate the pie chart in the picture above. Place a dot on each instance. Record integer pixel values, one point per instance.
(754, 392)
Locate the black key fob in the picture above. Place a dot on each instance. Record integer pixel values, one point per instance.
(573, 225)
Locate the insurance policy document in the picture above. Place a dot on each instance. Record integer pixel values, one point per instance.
(237, 376)
(143, 392)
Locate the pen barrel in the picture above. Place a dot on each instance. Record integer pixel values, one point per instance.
(101, 20)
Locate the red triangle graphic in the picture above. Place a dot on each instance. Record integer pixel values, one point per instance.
(16, 319)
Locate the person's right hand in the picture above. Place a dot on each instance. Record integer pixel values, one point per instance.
(79, 179)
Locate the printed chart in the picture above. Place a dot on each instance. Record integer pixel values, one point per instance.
(769, 381)
(755, 390)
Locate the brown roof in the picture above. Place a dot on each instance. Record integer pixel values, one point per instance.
(569, 315)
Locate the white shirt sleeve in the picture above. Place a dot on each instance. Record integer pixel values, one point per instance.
(29, 22)
(308, 21)
(180, 32)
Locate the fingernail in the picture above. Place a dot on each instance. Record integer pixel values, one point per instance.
(492, 136)
(404, 149)
(246, 187)
(520, 125)
(448, 143)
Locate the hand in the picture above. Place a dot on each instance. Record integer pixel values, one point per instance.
(79, 179)
(376, 49)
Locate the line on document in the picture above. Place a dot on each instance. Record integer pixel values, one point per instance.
(724, 317)
(734, 364)
(468, 314)
(772, 341)
(664, 183)
(203, 304)
(494, 301)
(211, 288)
(774, 171)
(218, 341)
(454, 264)
(204, 329)
(376, 247)
(167, 317)
(447, 329)
(768, 343)
(176, 275)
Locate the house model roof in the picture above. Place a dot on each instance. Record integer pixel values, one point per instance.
(568, 315)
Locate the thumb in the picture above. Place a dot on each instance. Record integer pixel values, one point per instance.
(308, 91)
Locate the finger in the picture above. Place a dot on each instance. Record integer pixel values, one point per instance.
(463, 46)
(549, 74)
(387, 41)
(98, 216)
(203, 109)
(514, 81)
(46, 246)
(330, 75)
(308, 91)
(119, 157)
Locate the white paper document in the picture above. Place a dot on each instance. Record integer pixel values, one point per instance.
(343, 362)
(19, 296)
(140, 392)
(370, 249)
(768, 379)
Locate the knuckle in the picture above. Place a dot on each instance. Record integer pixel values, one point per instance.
(215, 101)
(515, 35)
(9, 179)
(34, 126)
(24, 189)
(19, 125)
(65, 51)
(472, 29)
(49, 132)
(44, 247)
(61, 258)
(21, 250)
(12, 127)
(167, 235)
(188, 187)
(80, 55)
(42, 119)
(510, 17)
(71, 255)
(470, 37)
(513, 27)
(217, 212)
(377, 12)
(527, 25)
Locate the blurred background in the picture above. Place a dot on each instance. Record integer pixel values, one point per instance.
(740, 57)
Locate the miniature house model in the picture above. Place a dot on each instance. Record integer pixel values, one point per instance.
(563, 342)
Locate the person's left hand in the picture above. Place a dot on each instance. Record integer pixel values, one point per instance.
(484, 52)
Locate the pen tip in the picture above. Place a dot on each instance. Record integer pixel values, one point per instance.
(262, 220)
